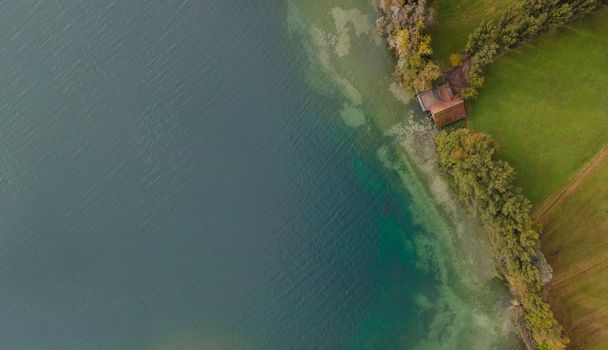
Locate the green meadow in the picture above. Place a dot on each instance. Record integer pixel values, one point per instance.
(456, 19)
(546, 104)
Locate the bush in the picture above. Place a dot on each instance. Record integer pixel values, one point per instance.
(455, 59)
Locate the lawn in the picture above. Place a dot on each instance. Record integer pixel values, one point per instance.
(546, 104)
(575, 242)
(456, 19)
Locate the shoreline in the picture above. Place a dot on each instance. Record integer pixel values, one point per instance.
(471, 299)
(420, 148)
(469, 245)
(483, 183)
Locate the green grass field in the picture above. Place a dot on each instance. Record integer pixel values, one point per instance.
(456, 19)
(575, 242)
(546, 104)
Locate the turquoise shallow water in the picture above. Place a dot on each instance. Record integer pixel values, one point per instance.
(205, 175)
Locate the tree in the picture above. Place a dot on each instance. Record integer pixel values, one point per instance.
(425, 77)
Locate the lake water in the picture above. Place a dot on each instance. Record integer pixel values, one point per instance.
(214, 175)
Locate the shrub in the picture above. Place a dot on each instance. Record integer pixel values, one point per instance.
(455, 59)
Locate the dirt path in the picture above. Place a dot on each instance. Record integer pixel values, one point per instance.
(547, 207)
(458, 76)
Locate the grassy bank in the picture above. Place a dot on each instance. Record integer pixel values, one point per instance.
(544, 103)
(575, 242)
(456, 19)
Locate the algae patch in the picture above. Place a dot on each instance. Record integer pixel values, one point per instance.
(352, 115)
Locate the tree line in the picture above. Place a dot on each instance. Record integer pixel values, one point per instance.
(519, 23)
(485, 185)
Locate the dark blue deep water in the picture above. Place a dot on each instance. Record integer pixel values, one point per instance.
(169, 179)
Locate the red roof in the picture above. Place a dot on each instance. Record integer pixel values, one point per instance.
(445, 107)
(447, 112)
(430, 98)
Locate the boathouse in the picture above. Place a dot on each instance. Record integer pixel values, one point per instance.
(444, 106)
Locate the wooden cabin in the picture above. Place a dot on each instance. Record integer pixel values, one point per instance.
(444, 106)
